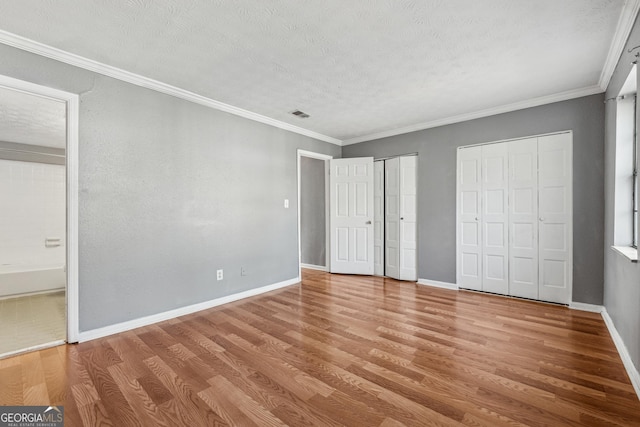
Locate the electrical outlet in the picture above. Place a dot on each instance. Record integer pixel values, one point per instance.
(243, 271)
(286, 203)
(219, 275)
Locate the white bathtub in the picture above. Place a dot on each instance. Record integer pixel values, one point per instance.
(26, 279)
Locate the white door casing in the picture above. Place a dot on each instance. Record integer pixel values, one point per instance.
(351, 219)
(523, 218)
(408, 218)
(468, 235)
(495, 247)
(392, 217)
(378, 218)
(555, 212)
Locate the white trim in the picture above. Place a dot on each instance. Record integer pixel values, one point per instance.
(631, 254)
(326, 158)
(182, 311)
(632, 371)
(436, 284)
(623, 29)
(32, 348)
(314, 267)
(593, 308)
(29, 45)
(72, 103)
(543, 100)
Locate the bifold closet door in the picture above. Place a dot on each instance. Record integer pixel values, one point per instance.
(495, 245)
(378, 218)
(408, 218)
(469, 233)
(400, 218)
(523, 218)
(392, 217)
(555, 217)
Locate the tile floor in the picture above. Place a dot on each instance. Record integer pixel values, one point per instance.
(31, 321)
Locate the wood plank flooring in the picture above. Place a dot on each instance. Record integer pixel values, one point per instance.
(341, 350)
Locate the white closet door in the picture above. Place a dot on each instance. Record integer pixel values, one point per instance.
(408, 218)
(523, 218)
(392, 217)
(469, 236)
(378, 218)
(495, 247)
(351, 219)
(555, 218)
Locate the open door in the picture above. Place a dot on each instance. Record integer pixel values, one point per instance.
(351, 218)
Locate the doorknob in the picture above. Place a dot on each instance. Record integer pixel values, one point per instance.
(401, 218)
(368, 222)
(541, 219)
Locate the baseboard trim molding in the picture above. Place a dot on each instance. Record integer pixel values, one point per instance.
(586, 307)
(436, 284)
(314, 267)
(632, 371)
(182, 311)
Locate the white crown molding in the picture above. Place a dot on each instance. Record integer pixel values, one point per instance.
(623, 29)
(182, 311)
(549, 99)
(632, 371)
(32, 46)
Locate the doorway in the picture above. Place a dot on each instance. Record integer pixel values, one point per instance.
(38, 192)
(313, 246)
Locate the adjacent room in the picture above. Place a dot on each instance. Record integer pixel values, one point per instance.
(375, 213)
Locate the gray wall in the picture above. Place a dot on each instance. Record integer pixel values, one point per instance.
(312, 212)
(437, 182)
(622, 277)
(170, 191)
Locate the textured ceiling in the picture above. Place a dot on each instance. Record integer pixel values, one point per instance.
(358, 67)
(30, 119)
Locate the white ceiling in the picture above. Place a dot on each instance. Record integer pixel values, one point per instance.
(31, 119)
(360, 68)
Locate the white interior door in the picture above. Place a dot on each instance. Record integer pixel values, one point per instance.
(351, 218)
(378, 218)
(555, 218)
(392, 217)
(495, 247)
(408, 218)
(469, 236)
(523, 218)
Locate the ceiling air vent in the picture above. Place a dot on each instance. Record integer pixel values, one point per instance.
(300, 114)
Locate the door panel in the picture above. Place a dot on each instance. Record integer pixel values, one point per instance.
(555, 218)
(469, 235)
(495, 247)
(392, 217)
(378, 222)
(523, 218)
(351, 218)
(408, 218)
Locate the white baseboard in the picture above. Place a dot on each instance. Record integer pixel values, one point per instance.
(586, 307)
(436, 284)
(159, 317)
(314, 267)
(632, 371)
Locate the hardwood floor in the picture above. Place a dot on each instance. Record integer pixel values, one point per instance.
(341, 350)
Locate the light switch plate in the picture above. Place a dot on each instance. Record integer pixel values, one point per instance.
(286, 203)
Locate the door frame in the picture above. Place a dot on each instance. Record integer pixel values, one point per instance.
(72, 102)
(325, 157)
